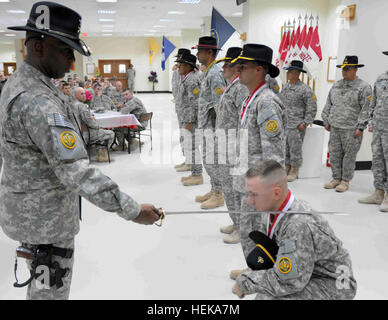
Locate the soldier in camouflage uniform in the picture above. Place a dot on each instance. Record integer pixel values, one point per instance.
(378, 116)
(187, 104)
(212, 87)
(100, 102)
(310, 263)
(131, 74)
(117, 96)
(92, 132)
(301, 107)
(46, 166)
(227, 123)
(345, 115)
(272, 84)
(262, 132)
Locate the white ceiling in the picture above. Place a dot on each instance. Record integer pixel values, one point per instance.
(132, 17)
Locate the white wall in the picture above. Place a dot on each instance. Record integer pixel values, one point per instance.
(7, 54)
(136, 49)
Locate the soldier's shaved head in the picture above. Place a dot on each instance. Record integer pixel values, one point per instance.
(79, 94)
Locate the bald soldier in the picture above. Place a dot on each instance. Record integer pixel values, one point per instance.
(117, 96)
(301, 107)
(296, 256)
(46, 166)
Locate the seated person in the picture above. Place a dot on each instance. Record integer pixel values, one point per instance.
(100, 102)
(117, 96)
(303, 257)
(134, 106)
(91, 131)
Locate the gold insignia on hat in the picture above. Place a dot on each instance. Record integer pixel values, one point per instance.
(260, 260)
(346, 61)
(370, 98)
(276, 88)
(314, 97)
(284, 265)
(195, 91)
(219, 90)
(68, 140)
(272, 126)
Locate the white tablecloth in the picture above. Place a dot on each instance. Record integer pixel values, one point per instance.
(112, 119)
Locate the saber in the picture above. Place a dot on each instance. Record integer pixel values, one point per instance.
(164, 213)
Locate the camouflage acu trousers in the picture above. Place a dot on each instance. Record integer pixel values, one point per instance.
(343, 148)
(227, 189)
(191, 150)
(248, 222)
(34, 292)
(294, 147)
(380, 160)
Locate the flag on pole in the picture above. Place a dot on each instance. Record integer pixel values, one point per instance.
(313, 55)
(291, 46)
(300, 42)
(306, 44)
(286, 47)
(221, 29)
(277, 61)
(294, 48)
(168, 47)
(153, 49)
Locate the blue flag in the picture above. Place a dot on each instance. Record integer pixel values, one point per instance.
(221, 29)
(168, 47)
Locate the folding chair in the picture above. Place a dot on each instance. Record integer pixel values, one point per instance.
(137, 133)
(90, 145)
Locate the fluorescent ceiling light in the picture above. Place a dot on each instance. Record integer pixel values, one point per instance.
(106, 0)
(152, 31)
(106, 31)
(149, 34)
(16, 11)
(189, 1)
(107, 34)
(106, 20)
(237, 14)
(176, 12)
(107, 26)
(106, 11)
(157, 26)
(4, 0)
(165, 20)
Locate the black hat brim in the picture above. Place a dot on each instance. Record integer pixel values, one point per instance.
(187, 62)
(205, 47)
(356, 66)
(385, 52)
(75, 44)
(295, 68)
(273, 70)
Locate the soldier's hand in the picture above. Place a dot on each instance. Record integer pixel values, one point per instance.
(302, 127)
(370, 128)
(358, 133)
(327, 127)
(237, 291)
(148, 215)
(189, 126)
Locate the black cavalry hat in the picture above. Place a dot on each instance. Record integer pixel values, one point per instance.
(264, 255)
(231, 54)
(259, 53)
(296, 65)
(207, 43)
(182, 51)
(350, 61)
(188, 58)
(386, 53)
(55, 20)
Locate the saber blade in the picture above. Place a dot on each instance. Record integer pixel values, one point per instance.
(167, 213)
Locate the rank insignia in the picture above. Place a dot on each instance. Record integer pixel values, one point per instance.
(314, 97)
(195, 91)
(370, 98)
(272, 126)
(284, 265)
(68, 140)
(219, 90)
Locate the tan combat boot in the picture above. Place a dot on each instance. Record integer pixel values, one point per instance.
(293, 174)
(193, 180)
(384, 205)
(288, 167)
(333, 183)
(235, 273)
(102, 155)
(376, 197)
(120, 146)
(233, 238)
(216, 200)
(228, 229)
(343, 186)
(185, 167)
(204, 197)
(180, 165)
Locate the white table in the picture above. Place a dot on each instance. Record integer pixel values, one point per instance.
(313, 148)
(113, 119)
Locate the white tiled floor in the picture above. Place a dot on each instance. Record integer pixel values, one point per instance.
(186, 258)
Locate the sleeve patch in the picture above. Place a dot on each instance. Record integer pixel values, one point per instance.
(272, 126)
(314, 97)
(276, 88)
(196, 91)
(219, 90)
(284, 265)
(68, 139)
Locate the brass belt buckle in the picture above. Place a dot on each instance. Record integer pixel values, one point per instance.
(162, 216)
